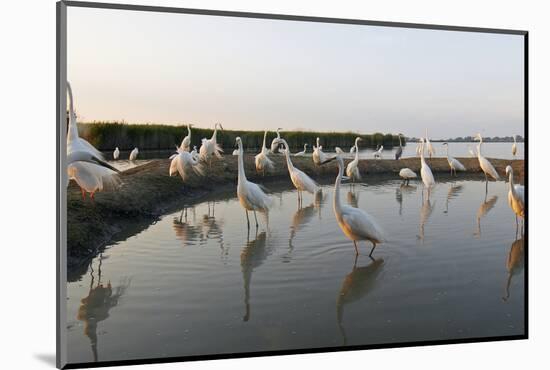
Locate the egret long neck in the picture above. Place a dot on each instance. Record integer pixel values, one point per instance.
(336, 204)
(73, 129)
(242, 175)
(287, 155)
(356, 150)
(479, 147)
(512, 187)
(215, 132)
(263, 144)
(422, 154)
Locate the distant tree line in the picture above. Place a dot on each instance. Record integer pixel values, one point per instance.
(108, 135)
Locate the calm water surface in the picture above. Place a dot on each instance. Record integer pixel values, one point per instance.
(452, 268)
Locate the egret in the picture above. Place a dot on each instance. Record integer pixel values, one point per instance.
(182, 162)
(352, 170)
(250, 195)
(210, 147)
(302, 153)
(186, 142)
(275, 142)
(261, 160)
(116, 153)
(514, 147)
(407, 174)
(378, 153)
(87, 170)
(418, 147)
(516, 195)
(454, 163)
(301, 181)
(425, 171)
(399, 151)
(235, 152)
(134, 153)
(318, 155)
(484, 163)
(352, 150)
(355, 223)
(431, 150)
(472, 152)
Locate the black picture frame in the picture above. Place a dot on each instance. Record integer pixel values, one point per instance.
(61, 270)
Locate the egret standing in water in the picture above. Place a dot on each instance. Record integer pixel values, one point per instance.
(318, 155)
(352, 170)
(211, 147)
(116, 153)
(301, 181)
(514, 147)
(261, 160)
(454, 163)
(355, 223)
(425, 171)
(516, 195)
(275, 142)
(484, 163)
(407, 174)
(134, 153)
(302, 153)
(250, 195)
(399, 151)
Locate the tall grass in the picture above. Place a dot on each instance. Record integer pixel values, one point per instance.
(108, 135)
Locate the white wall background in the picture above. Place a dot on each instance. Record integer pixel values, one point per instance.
(27, 196)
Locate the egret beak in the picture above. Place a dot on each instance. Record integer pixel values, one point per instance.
(329, 160)
(104, 164)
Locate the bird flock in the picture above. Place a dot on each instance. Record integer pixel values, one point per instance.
(87, 167)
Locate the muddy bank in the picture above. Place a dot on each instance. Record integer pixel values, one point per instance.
(148, 192)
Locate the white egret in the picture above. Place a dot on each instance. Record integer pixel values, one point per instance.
(484, 163)
(454, 163)
(352, 170)
(352, 150)
(355, 223)
(431, 149)
(182, 162)
(302, 153)
(275, 142)
(210, 147)
(418, 147)
(516, 195)
(301, 181)
(378, 153)
(472, 152)
(250, 195)
(407, 174)
(425, 171)
(261, 159)
(134, 153)
(194, 152)
(235, 152)
(318, 155)
(186, 142)
(514, 147)
(116, 153)
(399, 151)
(90, 174)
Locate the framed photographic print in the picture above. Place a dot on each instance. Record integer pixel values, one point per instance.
(239, 184)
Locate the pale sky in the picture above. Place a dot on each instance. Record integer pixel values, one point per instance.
(256, 73)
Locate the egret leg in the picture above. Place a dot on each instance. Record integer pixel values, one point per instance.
(83, 194)
(256, 219)
(356, 250)
(247, 220)
(92, 195)
(372, 250)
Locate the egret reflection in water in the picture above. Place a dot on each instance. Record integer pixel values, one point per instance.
(253, 256)
(185, 231)
(95, 307)
(514, 264)
(299, 220)
(425, 213)
(356, 285)
(400, 192)
(353, 199)
(453, 192)
(482, 211)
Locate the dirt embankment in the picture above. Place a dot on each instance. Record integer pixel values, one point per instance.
(148, 192)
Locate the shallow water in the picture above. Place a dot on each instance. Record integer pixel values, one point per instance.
(452, 267)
